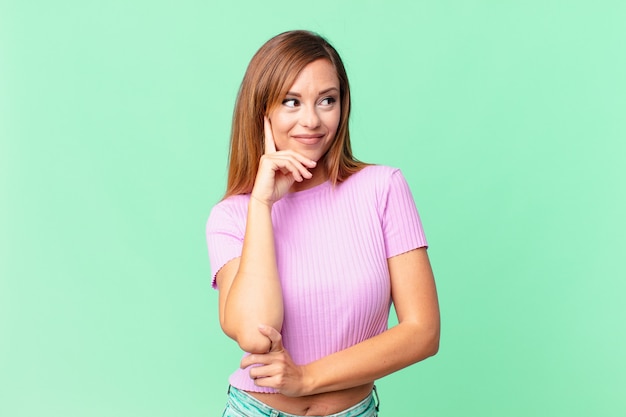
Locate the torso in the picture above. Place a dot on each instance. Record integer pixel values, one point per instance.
(348, 222)
(318, 404)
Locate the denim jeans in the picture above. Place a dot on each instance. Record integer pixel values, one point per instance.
(241, 404)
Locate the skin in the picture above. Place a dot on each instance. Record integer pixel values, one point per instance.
(308, 118)
(297, 135)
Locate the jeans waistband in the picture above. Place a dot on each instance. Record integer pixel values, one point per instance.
(246, 404)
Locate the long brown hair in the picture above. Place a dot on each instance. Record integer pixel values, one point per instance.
(270, 74)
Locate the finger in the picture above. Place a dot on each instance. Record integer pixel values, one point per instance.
(270, 146)
(309, 163)
(259, 359)
(275, 337)
(268, 382)
(265, 371)
(289, 166)
(294, 161)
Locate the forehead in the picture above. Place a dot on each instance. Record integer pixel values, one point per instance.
(318, 74)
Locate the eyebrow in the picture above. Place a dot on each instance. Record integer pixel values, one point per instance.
(321, 93)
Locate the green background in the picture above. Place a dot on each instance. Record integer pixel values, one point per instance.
(507, 118)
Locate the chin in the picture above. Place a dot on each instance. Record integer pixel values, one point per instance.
(315, 156)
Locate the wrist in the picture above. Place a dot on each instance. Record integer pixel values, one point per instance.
(308, 381)
(254, 200)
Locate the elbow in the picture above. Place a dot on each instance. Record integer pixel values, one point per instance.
(433, 345)
(432, 342)
(249, 340)
(426, 342)
(255, 344)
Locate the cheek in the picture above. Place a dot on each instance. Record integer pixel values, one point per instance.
(332, 122)
(280, 127)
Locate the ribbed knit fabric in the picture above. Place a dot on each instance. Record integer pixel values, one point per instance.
(332, 245)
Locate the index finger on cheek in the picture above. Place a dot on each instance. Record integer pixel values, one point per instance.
(270, 146)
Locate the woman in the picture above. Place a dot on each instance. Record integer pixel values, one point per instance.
(310, 247)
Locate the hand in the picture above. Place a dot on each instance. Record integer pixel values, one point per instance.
(278, 170)
(276, 368)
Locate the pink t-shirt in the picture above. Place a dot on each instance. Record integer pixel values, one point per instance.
(332, 245)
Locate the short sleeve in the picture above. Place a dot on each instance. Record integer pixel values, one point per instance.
(402, 227)
(224, 234)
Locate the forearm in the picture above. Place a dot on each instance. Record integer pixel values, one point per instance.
(255, 296)
(396, 348)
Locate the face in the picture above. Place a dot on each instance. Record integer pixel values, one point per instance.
(307, 119)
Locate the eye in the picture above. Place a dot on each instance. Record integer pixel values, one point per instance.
(291, 102)
(327, 101)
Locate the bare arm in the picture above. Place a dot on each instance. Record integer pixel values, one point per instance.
(250, 291)
(416, 337)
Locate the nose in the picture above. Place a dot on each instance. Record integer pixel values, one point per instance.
(309, 117)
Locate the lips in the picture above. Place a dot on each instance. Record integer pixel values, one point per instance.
(309, 139)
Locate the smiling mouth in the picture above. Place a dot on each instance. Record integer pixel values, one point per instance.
(309, 139)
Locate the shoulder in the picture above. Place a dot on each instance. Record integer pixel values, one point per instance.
(384, 184)
(376, 177)
(376, 171)
(371, 186)
(230, 209)
(233, 202)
